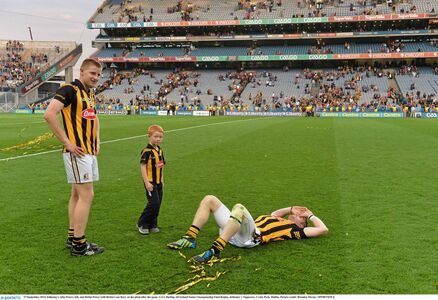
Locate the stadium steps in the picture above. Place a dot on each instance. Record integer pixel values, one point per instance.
(43, 76)
(26, 55)
(394, 85)
(432, 86)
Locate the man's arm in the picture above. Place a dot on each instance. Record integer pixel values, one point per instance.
(318, 228)
(280, 213)
(51, 117)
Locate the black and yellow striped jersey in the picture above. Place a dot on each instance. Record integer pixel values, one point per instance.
(78, 115)
(154, 161)
(273, 229)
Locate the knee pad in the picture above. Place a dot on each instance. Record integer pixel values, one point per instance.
(238, 212)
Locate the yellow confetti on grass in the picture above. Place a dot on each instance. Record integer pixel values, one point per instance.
(201, 273)
(28, 145)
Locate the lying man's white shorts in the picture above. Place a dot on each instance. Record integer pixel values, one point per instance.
(81, 169)
(245, 237)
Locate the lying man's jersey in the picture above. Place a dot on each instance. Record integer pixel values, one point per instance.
(273, 229)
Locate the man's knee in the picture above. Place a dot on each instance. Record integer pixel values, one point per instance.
(85, 192)
(238, 212)
(210, 201)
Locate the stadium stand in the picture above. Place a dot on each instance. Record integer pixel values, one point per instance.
(273, 50)
(20, 61)
(156, 10)
(338, 64)
(26, 68)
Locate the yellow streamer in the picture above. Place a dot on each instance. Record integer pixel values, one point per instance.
(201, 272)
(35, 141)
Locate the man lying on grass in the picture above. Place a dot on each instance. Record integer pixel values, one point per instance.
(238, 228)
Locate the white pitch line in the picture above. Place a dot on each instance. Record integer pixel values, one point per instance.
(25, 123)
(129, 138)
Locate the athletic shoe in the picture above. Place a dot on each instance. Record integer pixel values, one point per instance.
(144, 231)
(154, 230)
(87, 251)
(69, 245)
(184, 242)
(205, 257)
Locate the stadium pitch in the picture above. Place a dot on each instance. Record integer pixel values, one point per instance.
(372, 181)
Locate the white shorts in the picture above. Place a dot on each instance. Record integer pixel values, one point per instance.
(245, 237)
(81, 169)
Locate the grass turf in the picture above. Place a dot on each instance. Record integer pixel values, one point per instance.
(372, 181)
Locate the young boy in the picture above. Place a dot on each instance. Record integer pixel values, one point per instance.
(152, 163)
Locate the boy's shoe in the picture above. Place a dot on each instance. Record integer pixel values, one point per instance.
(154, 230)
(87, 251)
(144, 231)
(184, 242)
(205, 257)
(69, 245)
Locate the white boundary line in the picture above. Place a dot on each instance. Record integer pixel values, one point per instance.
(130, 138)
(24, 123)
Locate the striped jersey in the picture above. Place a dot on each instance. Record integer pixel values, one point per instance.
(78, 115)
(154, 161)
(273, 229)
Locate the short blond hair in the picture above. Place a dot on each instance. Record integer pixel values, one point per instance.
(90, 62)
(155, 128)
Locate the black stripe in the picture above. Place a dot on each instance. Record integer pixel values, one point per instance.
(65, 126)
(77, 167)
(267, 222)
(84, 123)
(73, 112)
(73, 169)
(234, 218)
(276, 228)
(154, 168)
(93, 137)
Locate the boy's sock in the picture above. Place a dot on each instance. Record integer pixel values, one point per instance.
(193, 232)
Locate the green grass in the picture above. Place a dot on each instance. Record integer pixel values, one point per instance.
(372, 181)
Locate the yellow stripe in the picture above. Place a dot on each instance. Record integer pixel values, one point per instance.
(149, 165)
(60, 96)
(66, 113)
(261, 220)
(145, 150)
(276, 235)
(157, 170)
(79, 109)
(276, 224)
(75, 169)
(89, 133)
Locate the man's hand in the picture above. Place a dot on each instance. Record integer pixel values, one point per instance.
(74, 150)
(98, 148)
(307, 213)
(298, 210)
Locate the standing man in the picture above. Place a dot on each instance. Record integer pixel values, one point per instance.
(81, 140)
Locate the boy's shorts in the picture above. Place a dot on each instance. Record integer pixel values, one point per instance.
(81, 169)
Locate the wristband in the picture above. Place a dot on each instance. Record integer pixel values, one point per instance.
(310, 216)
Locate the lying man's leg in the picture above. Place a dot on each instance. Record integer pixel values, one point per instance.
(232, 227)
(209, 204)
